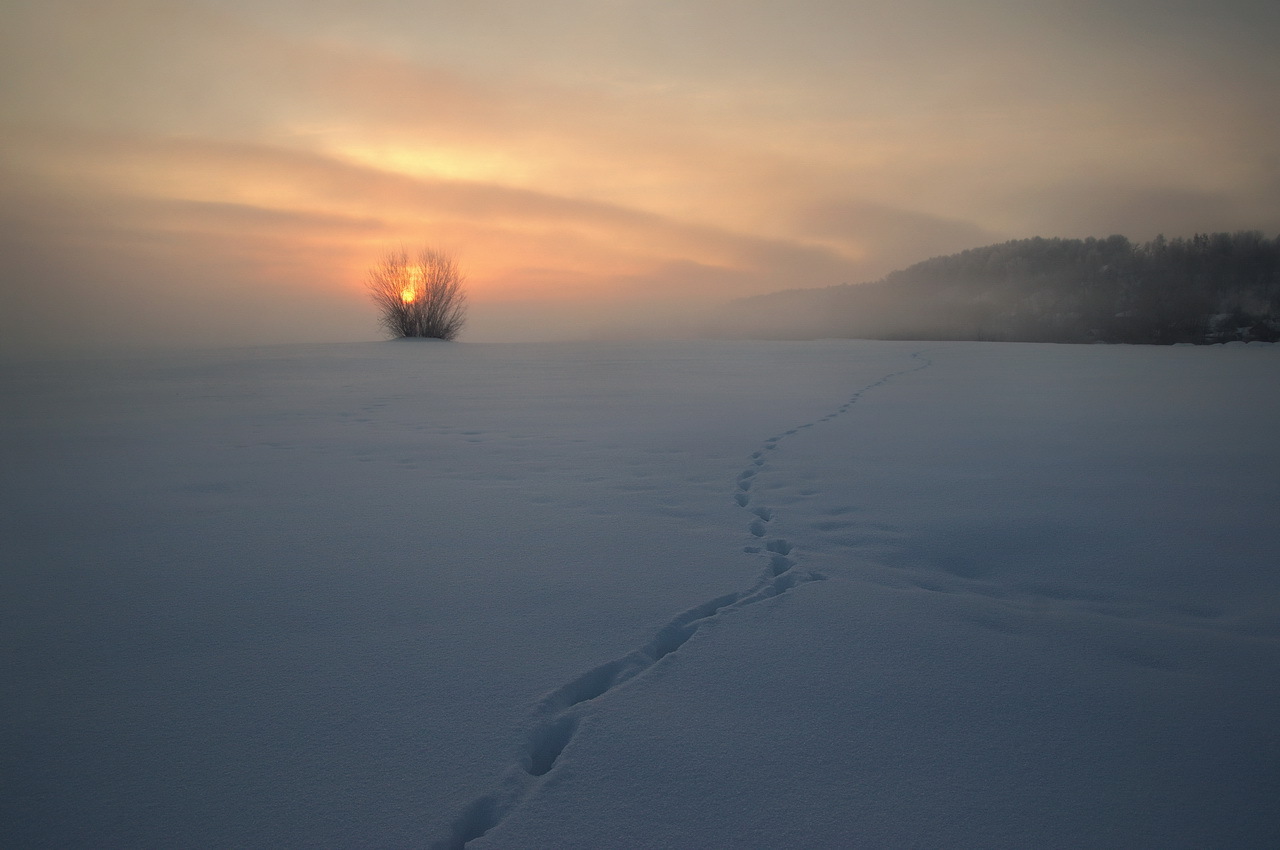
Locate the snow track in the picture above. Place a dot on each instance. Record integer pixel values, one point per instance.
(559, 714)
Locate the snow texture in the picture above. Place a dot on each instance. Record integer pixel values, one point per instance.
(643, 595)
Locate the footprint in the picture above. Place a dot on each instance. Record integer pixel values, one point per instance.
(590, 685)
(669, 640)
(778, 546)
(784, 579)
(476, 819)
(559, 711)
(676, 633)
(548, 742)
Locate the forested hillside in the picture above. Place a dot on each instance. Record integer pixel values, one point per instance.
(1208, 288)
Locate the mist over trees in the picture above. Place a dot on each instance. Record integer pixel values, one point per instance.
(1204, 289)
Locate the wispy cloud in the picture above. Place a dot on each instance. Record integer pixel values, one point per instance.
(611, 153)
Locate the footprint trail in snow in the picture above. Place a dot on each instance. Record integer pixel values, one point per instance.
(558, 714)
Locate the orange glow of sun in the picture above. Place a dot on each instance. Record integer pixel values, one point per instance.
(409, 293)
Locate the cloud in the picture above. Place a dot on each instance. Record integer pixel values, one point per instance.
(1142, 211)
(894, 236)
(614, 153)
(149, 216)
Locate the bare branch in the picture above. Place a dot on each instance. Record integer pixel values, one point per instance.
(420, 296)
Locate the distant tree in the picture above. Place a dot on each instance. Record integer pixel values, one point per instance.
(420, 295)
(1211, 287)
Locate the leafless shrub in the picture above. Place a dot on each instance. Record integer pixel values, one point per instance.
(419, 296)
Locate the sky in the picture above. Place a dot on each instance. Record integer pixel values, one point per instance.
(227, 171)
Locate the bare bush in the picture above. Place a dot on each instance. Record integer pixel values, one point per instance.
(419, 296)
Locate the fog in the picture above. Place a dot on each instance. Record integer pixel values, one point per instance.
(194, 173)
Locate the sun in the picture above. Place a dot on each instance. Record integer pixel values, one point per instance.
(409, 293)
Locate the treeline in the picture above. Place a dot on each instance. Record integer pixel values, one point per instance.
(1208, 288)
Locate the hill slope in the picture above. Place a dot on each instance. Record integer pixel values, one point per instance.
(1209, 288)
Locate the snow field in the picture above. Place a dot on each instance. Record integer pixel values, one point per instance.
(1049, 619)
(643, 595)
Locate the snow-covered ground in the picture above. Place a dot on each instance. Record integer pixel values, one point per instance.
(697, 594)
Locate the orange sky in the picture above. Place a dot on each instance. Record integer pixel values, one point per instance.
(593, 164)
